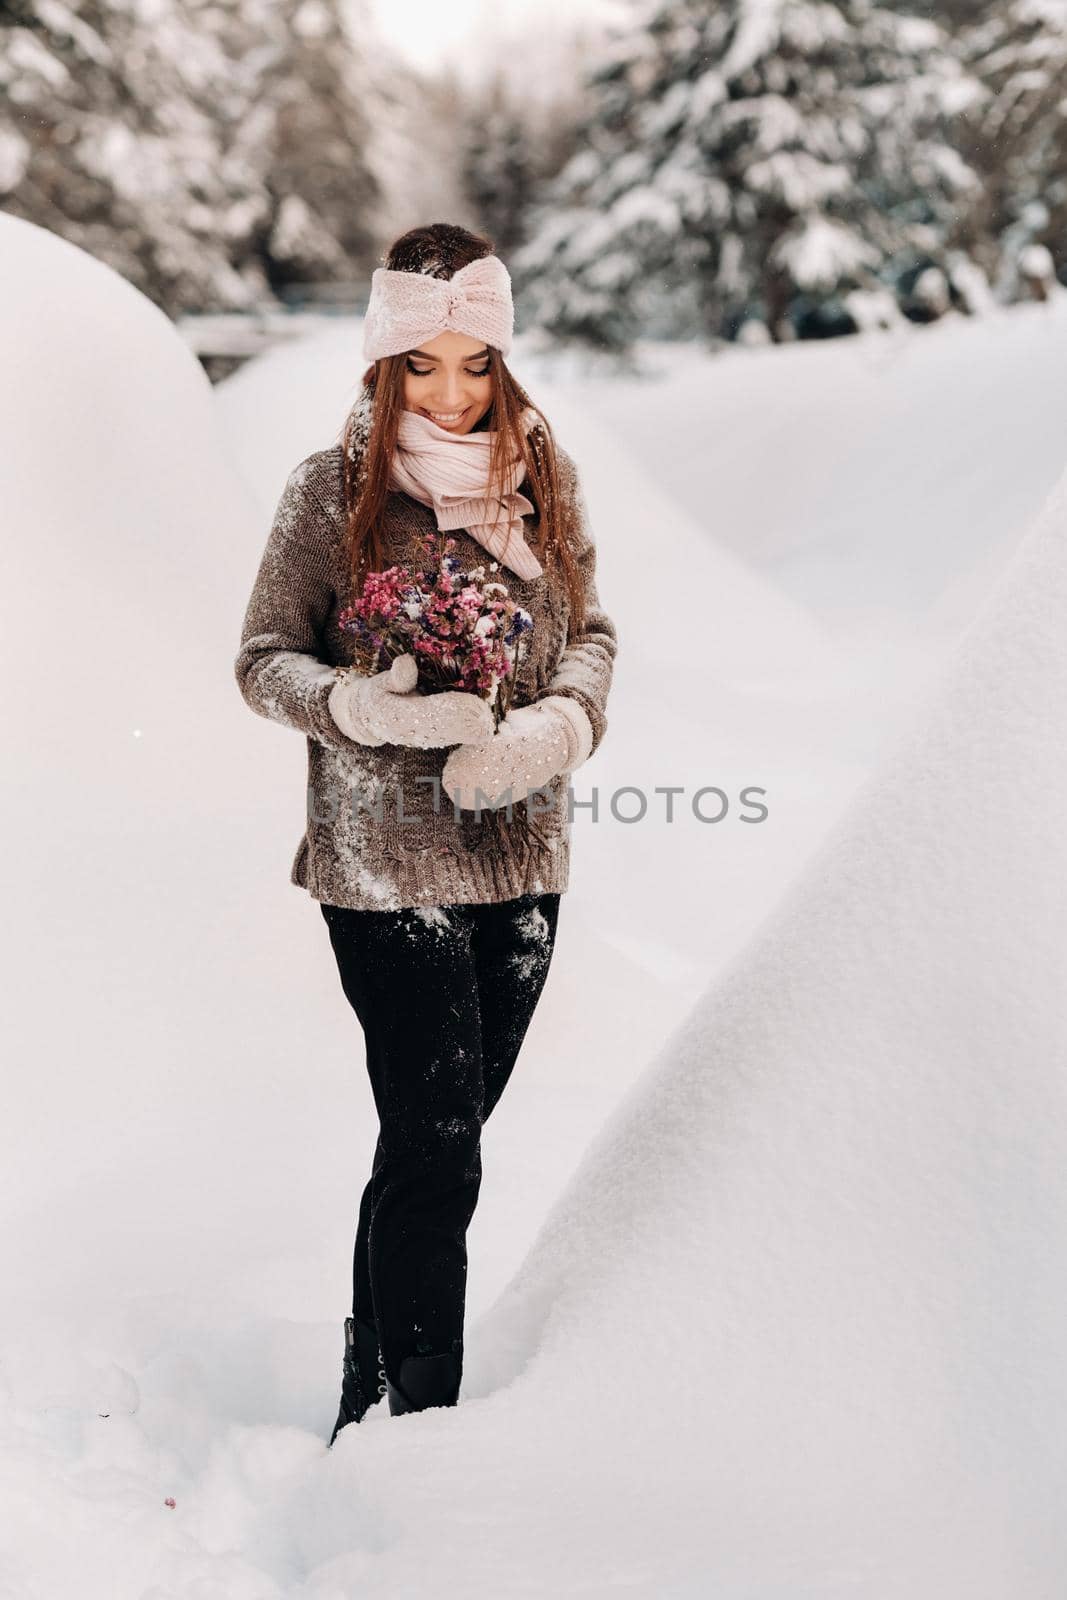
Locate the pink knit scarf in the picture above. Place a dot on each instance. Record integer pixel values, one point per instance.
(450, 471)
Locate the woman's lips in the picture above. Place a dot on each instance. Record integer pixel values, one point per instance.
(451, 424)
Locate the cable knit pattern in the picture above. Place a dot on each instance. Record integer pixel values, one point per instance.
(382, 834)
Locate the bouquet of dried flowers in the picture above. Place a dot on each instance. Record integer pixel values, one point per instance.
(463, 628)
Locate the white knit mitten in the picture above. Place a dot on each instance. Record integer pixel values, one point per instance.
(532, 745)
(384, 709)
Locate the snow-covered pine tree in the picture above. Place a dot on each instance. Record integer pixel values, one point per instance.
(179, 142)
(759, 158)
(498, 162)
(322, 190)
(1017, 138)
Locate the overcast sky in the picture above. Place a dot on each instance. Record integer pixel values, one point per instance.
(432, 32)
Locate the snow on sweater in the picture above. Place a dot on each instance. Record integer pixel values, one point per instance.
(378, 838)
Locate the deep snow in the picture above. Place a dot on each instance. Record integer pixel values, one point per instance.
(791, 1324)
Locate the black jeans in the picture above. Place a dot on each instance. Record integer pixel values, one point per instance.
(444, 995)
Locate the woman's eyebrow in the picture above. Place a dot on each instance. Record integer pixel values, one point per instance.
(484, 351)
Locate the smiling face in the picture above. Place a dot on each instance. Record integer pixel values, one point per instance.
(448, 379)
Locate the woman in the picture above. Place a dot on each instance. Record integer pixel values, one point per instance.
(441, 907)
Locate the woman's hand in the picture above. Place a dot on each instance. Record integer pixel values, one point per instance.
(532, 745)
(384, 709)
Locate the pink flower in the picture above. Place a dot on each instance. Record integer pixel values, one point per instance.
(463, 628)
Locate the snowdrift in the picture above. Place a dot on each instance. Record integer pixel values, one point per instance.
(817, 1253)
(795, 1324)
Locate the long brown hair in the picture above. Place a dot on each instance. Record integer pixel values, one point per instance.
(439, 250)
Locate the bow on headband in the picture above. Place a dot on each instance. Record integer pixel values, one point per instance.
(407, 307)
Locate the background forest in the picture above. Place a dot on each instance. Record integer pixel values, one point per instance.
(709, 171)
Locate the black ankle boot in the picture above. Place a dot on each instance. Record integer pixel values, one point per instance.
(425, 1381)
(363, 1376)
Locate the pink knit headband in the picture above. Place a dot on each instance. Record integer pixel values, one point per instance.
(407, 307)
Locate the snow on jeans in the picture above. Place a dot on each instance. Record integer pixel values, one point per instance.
(444, 995)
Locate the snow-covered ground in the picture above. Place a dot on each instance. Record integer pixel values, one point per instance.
(765, 1291)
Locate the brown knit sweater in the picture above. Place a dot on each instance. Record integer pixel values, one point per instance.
(377, 838)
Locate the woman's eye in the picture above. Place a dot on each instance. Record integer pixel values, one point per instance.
(482, 372)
